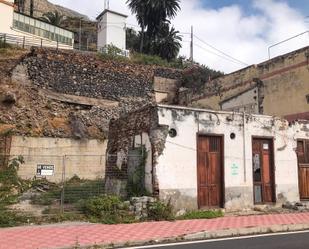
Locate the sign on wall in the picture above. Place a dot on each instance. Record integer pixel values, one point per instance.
(45, 170)
(234, 169)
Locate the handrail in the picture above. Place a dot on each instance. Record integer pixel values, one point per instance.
(295, 36)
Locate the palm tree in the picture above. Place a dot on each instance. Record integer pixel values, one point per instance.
(168, 42)
(160, 12)
(20, 5)
(54, 18)
(139, 8)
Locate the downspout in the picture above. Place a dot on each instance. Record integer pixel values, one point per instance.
(244, 147)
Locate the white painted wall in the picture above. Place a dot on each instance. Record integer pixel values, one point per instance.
(84, 158)
(6, 17)
(177, 167)
(112, 30)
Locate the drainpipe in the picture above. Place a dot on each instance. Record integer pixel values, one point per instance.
(244, 148)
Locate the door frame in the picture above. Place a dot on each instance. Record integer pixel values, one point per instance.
(273, 170)
(202, 134)
(298, 169)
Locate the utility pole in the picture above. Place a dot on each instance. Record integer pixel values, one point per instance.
(191, 45)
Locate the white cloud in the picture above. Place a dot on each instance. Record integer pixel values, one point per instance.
(243, 36)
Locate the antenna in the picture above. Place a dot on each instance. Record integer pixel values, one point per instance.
(106, 4)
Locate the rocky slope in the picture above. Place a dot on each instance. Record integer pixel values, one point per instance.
(43, 6)
(25, 108)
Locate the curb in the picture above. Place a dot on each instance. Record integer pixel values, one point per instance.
(205, 235)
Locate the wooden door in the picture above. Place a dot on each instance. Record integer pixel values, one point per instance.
(263, 171)
(210, 171)
(303, 168)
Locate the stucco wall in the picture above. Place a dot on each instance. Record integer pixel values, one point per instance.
(177, 166)
(285, 79)
(84, 158)
(247, 101)
(112, 31)
(6, 17)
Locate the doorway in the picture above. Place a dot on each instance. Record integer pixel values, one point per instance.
(303, 168)
(210, 171)
(263, 171)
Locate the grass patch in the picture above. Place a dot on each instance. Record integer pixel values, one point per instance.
(201, 214)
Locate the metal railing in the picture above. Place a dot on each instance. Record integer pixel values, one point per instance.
(29, 41)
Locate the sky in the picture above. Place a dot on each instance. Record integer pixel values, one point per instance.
(229, 34)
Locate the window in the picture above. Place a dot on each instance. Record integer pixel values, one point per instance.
(214, 144)
(307, 97)
(303, 151)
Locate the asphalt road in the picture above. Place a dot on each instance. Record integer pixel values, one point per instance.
(279, 241)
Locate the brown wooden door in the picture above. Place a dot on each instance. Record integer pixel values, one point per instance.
(303, 168)
(263, 171)
(209, 170)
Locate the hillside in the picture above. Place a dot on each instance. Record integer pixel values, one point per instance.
(70, 94)
(43, 6)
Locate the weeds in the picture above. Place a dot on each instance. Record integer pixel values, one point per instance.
(107, 209)
(201, 214)
(159, 211)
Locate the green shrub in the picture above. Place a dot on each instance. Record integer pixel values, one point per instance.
(159, 211)
(11, 219)
(201, 214)
(106, 209)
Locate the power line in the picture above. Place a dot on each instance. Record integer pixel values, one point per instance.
(211, 52)
(218, 50)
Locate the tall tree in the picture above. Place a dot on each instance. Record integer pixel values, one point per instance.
(139, 8)
(153, 16)
(54, 18)
(160, 12)
(167, 43)
(20, 5)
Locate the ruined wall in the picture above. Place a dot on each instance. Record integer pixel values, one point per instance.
(244, 102)
(177, 166)
(71, 94)
(165, 89)
(124, 133)
(83, 158)
(286, 85)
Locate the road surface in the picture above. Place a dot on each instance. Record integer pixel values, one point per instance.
(297, 240)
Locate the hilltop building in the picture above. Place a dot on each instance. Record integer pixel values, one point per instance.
(17, 28)
(112, 30)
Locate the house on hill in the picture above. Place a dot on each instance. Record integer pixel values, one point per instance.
(20, 29)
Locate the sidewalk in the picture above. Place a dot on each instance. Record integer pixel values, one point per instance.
(69, 235)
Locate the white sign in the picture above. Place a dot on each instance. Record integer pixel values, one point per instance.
(265, 146)
(45, 170)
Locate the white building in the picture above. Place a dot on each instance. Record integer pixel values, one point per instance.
(17, 28)
(200, 158)
(111, 30)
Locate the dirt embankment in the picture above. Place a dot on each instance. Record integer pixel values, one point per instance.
(26, 109)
